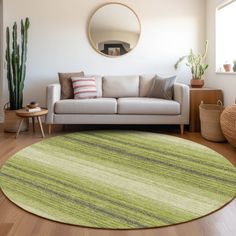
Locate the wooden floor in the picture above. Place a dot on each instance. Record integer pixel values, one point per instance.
(15, 221)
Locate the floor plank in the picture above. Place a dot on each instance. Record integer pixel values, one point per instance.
(16, 222)
(5, 228)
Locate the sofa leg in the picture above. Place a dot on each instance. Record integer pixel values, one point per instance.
(182, 129)
(49, 129)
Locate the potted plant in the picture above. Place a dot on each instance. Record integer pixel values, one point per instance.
(16, 56)
(234, 67)
(227, 67)
(197, 65)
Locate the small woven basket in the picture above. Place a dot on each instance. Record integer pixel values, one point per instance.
(228, 124)
(210, 121)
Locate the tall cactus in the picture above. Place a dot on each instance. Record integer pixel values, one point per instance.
(16, 57)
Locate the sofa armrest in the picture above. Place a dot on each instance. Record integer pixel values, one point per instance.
(181, 95)
(53, 95)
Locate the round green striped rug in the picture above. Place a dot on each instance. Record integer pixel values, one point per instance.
(118, 179)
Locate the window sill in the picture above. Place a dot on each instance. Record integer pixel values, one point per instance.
(225, 73)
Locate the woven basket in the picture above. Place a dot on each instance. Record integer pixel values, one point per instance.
(210, 121)
(12, 121)
(228, 124)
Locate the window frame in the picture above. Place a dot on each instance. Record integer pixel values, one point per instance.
(220, 70)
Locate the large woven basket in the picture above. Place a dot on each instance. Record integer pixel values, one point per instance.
(228, 124)
(210, 121)
(12, 121)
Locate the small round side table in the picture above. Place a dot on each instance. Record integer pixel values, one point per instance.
(26, 114)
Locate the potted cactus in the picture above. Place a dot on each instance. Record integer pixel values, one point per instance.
(197, 65)
(16, 57)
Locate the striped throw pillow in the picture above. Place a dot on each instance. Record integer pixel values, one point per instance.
(84, 87)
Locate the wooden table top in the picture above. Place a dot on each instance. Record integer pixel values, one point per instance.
(24, 113)
(204, 89)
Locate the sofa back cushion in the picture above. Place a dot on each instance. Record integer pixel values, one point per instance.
(120, 86)
(146, 82)
(67, 91)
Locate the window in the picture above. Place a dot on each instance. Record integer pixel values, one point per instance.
(225, 35)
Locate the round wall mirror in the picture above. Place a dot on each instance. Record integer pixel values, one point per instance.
(114, 29)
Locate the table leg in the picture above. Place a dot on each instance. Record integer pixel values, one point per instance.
(181, 129)
(33, 123)
(49, 128)
(41, 126)
(19, 128)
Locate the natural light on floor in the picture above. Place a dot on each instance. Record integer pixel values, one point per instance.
(226, 37)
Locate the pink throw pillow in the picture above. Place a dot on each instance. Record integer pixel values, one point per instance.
(84, 87)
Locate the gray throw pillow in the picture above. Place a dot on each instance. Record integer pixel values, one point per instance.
(162, 87)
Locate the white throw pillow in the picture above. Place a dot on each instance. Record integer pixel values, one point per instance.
(84, 87)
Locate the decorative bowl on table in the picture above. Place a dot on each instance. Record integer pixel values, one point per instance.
(33, 105)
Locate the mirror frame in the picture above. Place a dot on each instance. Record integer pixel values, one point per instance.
(89, 28)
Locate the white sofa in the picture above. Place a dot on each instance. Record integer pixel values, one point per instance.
(121, 100)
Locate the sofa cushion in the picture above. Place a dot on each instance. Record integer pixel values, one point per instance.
(145, 84)
(148, 106)
(84, 87)
(67, 91)
(120, 86)
(162, 88)
(87, 106)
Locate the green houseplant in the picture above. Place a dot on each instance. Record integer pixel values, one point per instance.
(16, 57)
(197, 66)
(234, 67)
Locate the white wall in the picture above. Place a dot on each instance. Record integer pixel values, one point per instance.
(226, 82)
(58, 39)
